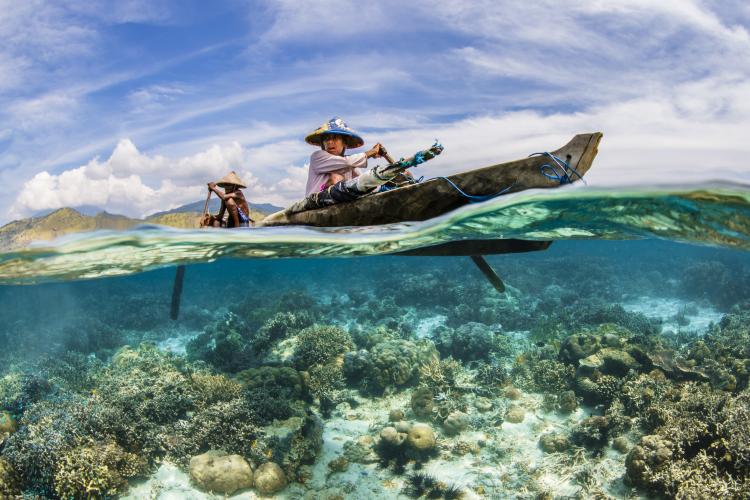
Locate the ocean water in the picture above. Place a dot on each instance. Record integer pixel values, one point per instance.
(615, 364)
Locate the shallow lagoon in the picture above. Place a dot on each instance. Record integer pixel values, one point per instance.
(600, 354)
(607, 368)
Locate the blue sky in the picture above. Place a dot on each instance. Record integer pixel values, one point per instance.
(134, 105)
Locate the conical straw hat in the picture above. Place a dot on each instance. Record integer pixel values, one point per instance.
(335, 126)
(231, 179)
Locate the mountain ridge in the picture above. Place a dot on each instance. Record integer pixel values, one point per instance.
(66, 220)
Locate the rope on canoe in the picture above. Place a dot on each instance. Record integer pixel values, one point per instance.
(473, 198)
(559, 171)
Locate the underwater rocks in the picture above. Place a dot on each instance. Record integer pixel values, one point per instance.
(392, 437)
(609, 361)
(554, 442)
(219, 472)
(591, 432)
(400, 445)
(515, 415)
(294, 442)
(269, 478)
(455, 422)
(421, 437)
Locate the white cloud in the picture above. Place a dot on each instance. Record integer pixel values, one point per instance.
(136, 184)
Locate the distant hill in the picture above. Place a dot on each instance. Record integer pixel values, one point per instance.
(62, 221)
(82, 209)
(213, 206)
(18, 234)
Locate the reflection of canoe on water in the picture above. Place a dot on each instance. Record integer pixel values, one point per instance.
(434, 197)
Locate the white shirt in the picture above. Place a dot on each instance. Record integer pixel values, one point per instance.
(323, 163)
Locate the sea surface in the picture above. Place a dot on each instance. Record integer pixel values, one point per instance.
(614, 365)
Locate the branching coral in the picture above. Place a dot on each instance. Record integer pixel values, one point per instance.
(95, 471)
(320, 345)
(470, 341)
(9, 482)
(275, 392)
(282, 325)
(227, 344)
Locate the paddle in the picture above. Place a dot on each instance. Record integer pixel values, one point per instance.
(488, 272)
(179, 277)
(174, 310)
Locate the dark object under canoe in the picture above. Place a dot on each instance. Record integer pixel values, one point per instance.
(418, 202)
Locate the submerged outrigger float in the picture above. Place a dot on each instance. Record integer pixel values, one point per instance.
(420, 201)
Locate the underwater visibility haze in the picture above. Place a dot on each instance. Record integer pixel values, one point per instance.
(312, 363)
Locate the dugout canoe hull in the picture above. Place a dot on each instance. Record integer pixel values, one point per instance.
(418, 202)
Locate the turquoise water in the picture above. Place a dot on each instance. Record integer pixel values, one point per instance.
(615, 364)
(708, 215)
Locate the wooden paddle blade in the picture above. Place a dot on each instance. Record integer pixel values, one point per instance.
(488, 272)
(179, 276)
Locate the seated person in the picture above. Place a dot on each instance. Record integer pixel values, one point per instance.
(232, 201)
(329, 164)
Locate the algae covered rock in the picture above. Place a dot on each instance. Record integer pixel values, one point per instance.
(269, 478)
(422, 403)
(646, 459)
(421, 437)
(567, 402)
(577, 347)
(591, 432)
(456, 422)
(392, 436)
(554, 442)
(515, 415)
(294, 442)
(219, 472)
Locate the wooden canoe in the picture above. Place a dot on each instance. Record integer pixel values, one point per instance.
(428, 199)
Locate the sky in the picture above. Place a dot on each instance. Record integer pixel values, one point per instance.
(133, 106)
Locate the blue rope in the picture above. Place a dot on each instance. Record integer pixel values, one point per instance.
(560, 171)
(473, 198)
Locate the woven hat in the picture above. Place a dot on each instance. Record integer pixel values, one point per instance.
(335, 126)
(231, 179)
